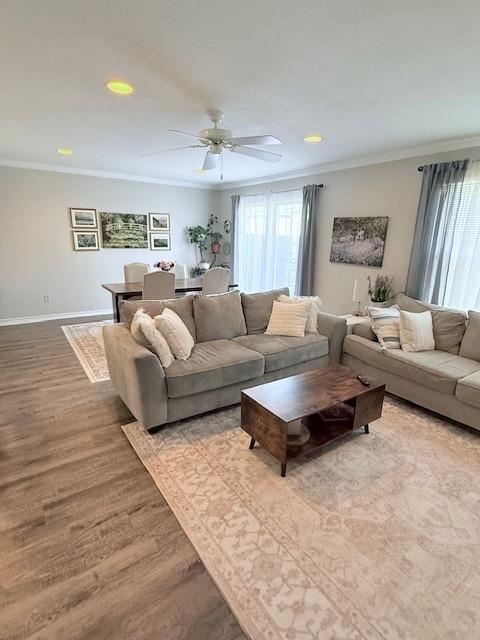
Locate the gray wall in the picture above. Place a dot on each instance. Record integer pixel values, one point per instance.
(388, 189)
(36, 252)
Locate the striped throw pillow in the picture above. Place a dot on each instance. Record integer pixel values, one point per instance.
(288, 319)
(386, 325)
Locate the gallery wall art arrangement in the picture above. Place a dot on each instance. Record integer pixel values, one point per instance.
(359, 241)
(119, 230)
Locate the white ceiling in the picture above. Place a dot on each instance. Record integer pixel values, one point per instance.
(371, 77)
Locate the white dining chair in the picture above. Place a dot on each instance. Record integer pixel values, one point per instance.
(134, 271)
(159, 285)
(180, 271)
(216, 280)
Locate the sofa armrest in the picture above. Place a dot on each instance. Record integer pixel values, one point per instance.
(364, 330)
(335, 329)
(137, 375)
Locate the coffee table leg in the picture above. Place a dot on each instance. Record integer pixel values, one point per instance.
(284, 469)
(252, 443)
(367, 428)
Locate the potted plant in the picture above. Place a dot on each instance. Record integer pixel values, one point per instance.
(215, 236)
(381, 291)
(200, 235)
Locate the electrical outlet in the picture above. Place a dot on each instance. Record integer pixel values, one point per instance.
(47, 298)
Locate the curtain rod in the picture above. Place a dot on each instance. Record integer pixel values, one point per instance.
(320, 186)
(455, 164)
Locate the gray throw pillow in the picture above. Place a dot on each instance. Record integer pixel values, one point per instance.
(448, 324)
(219, 317)
(257, 308)
(183, 307)
(470, 347)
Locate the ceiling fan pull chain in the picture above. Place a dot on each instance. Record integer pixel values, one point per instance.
(221, 166)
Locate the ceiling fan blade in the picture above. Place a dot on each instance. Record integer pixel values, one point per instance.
(267, 156)
(256, 140)
(190, 146)
(185, 133)
(210, 161)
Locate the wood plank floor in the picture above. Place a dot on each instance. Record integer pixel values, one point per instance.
(89, 549)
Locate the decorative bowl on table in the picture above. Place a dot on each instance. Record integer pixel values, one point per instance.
(164, 265)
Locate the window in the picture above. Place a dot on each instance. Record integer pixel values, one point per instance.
(462, 289)
(267, 236)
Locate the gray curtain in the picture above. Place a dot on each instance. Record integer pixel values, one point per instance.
(436, 217)
(235, 206)
(306, 247)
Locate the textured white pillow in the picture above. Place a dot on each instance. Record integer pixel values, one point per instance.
(144, 331)
(314, 308)
(416, 331)
(175, 333)
(288, 319)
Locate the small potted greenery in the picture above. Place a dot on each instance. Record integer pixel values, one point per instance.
(381, 290)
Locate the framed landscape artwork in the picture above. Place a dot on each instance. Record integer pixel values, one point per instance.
(84, 217)
(159, 221)
(359, 241)
(160, 242)
(85, 240)
(124, 230)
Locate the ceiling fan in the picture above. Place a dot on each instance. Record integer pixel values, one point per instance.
(216, 140)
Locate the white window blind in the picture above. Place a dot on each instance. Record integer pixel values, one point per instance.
(463, 276)
(267, 235)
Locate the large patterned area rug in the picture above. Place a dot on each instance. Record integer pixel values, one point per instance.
(376, 536)
(87, 343)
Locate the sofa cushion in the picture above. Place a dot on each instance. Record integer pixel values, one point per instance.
(468, 389)
(257, 308)
(219, 317)
(448, 324)
(470, 347)
(283, 351)
(434, 369)
(212, 365)
(183, 307)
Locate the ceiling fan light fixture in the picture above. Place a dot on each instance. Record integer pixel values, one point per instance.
(199, 172)
(313, 139)
(64, 151)
(121, 87)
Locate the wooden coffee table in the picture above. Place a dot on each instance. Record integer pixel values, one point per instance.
(295, 415)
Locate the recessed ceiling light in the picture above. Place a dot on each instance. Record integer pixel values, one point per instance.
(119, 86)
(64, 151)
(199, 172)
(313, 139)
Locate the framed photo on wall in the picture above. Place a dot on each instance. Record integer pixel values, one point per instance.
(359, 240)
(160, 242)
(159, 221)
(84, 217)
(85, 240)
(124, 230)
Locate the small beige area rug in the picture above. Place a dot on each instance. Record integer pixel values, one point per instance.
(377, 536)
(86, 341)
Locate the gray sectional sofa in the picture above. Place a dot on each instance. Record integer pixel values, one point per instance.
(446, 380)
(231, 353)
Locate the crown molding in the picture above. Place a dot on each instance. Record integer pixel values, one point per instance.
(360, 161)
(38, 166)
(351, 163)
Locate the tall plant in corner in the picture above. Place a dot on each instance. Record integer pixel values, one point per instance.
(201, 236)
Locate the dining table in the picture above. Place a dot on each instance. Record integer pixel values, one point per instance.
(125, 290)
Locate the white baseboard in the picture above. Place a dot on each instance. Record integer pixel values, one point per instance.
(55, 316)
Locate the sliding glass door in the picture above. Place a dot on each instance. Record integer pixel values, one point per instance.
(266, 240)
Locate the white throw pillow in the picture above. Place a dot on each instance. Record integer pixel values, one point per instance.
(175, 333)
(144, 331)
(315, 305)
(385, 323)
(416, 331)
(288, 319)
